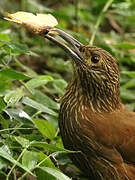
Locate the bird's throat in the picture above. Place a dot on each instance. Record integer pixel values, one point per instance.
(97, 98)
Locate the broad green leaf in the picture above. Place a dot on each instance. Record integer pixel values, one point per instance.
(30, 73)
(21, 48)
(46, 128)
(127, 94)
(6, 155)
(2, 104)
(4, 122)
(4, 36)
(57, 174)
(13, 97)
(11, 74)
(5, 84)
(131, 106)
(18, 114)
(16, 47)
(125, 45)
(129, 84)
(24, 142)
(51, 147)
(45, 100)
(122, 5)
(60, 64)
(52, 119)
(63, 159)
(3, 163)
(47, 163)
(129, 73)
(38, 106)
(38, 81)
(30, 159)
(43, 175)
(59, 85)
(36, 6)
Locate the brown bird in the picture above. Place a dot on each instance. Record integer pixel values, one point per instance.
(92, 118)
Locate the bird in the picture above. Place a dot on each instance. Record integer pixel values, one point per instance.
(93, 120)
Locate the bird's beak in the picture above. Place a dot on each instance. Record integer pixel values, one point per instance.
(74, 51)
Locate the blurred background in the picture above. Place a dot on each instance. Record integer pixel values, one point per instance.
(34, 74)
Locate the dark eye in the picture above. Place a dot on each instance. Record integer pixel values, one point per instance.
(95, 59)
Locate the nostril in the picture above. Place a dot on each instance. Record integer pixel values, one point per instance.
(45, 31)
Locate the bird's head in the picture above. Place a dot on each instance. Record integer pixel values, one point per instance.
(96, 72)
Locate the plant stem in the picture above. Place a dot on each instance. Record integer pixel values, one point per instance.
(108, 3)
(18, 159)
(38, 165)
(9, 129)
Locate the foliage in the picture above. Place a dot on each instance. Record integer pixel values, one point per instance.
(34, 74)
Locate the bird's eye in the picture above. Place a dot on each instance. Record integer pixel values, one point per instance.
(95, 59)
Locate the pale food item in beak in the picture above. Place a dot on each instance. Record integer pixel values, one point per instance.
(43, 25)
(36, 23)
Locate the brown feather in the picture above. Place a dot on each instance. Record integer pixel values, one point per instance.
(94, 121)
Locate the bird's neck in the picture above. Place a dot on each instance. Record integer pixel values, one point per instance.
(101, 99)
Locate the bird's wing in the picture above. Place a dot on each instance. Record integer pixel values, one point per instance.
(113, 134)
(126, 130)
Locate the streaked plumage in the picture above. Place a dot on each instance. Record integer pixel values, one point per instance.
(92, 118)
(94, 121)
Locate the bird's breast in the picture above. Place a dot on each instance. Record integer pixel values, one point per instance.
(72, 120)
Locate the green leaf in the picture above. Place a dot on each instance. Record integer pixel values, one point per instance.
(21, 48)
(30, 159)
(38, 81)
(4, 37)
(46, 128)
(52, 119)
(24, 142)
(4, 153)
(45, 100)
(55, 173)
(2, 104)
(16, 47)
(129, 84)
(34, 6)
(3, 122)
(51, 147)
(59, 85)
(13, 97)
(60, 64)
(3, 163)
(129, 73)
(44, 175)
(38, 106)
(11, 74)
(48, 163)
(63, 159)
(18, 114)
(5, 84)
(125, 45)
(127, 94)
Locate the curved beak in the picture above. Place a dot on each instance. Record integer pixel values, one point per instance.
(75, 45)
